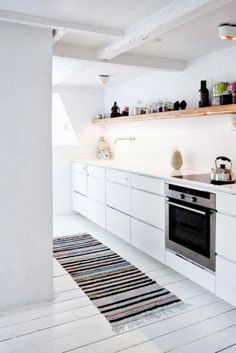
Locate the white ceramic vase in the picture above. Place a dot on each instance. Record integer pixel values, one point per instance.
(176, 160)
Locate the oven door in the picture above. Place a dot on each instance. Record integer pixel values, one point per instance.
(190, 232)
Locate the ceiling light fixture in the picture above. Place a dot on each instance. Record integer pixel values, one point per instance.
(227, 31)
(104, 79)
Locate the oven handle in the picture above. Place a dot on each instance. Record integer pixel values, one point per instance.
(186, 208)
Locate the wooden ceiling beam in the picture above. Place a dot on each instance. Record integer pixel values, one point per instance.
(168, 18)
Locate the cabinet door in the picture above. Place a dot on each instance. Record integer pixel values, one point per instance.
(197, 274)
(154, 185)
(118, 223)
(226, 203)
(226, 236)
(96, 189)
(80, 203)
(98, 172)
(79, 183)
(79, 167)
(96, 212)
(118, 197)
(118, 177)
(148, 239)
(148, 208)
(226, 280)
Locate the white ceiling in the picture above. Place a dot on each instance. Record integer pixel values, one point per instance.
(184, 42)
(68, 72)
(193, 39)
(118, 14)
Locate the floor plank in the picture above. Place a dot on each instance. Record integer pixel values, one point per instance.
(211, 344)
(71, 322)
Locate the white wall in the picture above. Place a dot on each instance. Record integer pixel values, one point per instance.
(199, 139)
(25, 165)
(73, 137)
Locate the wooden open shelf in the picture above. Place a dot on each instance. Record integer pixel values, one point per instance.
(217, 110)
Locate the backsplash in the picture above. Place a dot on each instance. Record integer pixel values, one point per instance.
(199, 139)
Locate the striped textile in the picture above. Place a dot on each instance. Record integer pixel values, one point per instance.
(121, 292)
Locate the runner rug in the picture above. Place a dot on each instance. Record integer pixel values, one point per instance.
(122, 293)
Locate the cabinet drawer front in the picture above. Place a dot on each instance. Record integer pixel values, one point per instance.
(79, 167)
(96, 213)
(226, 280)
(118, 223)
(79, 183)
(80, 204)
(148, 239)
(156, 186)
(226, 236)
(98, 172)
(96, 189)
(193, 272)
(148, 208)
(118, 197)
(118, 177)
(226, 203)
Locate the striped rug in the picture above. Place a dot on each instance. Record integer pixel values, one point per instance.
(121, 292)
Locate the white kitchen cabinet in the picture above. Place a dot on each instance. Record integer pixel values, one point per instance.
(79, 183)
(226, 280)
(118, 223)
(148, 239)
(197, 274)
(156, 186)
(93, 210)
(96, 189)
(226, 236)
(98, 172)
(148, 207)
(118, 197)
(118, 177)
(96, 212)
(80, 204)
(79, 167)
(226, 203)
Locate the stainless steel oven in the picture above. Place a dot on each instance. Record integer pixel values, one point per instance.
(191, 224)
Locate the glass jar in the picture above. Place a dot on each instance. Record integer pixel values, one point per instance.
(226, 98)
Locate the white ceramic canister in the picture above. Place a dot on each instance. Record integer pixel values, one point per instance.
(176, 159)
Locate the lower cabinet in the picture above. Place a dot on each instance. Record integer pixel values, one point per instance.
(226, 236)
(197, 274)
(118, 223)
(148, 239)
(118, 196)
(148, 207)
(96, 189)
(80, 203)
(226, 280)
(79, 183)
(91, 209)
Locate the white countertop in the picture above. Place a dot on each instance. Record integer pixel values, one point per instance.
(161, 172)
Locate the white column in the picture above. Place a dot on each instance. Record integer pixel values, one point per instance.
(25, 165)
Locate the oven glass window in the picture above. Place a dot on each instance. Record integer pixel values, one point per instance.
(190, 229)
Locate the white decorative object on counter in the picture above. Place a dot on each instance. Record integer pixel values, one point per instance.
(176, 160)
(104, 151)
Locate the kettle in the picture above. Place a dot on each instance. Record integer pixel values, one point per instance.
(221, 174)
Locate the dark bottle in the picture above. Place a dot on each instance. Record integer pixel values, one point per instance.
(204, 95)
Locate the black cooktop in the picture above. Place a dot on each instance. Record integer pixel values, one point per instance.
(202, 178)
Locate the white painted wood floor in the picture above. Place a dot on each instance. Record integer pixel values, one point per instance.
(72, 324)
